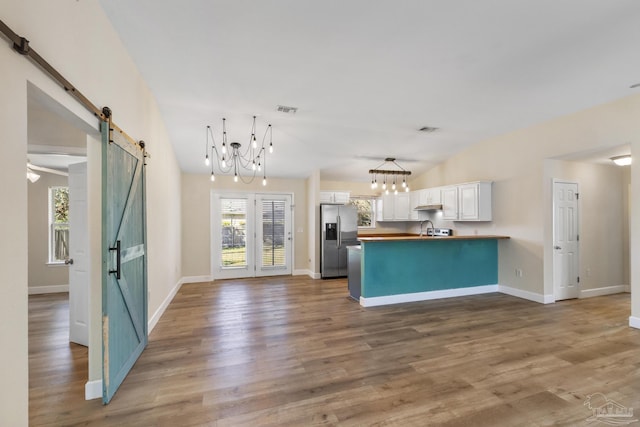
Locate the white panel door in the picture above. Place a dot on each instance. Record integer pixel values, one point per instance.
(78, 255)
(565, 240)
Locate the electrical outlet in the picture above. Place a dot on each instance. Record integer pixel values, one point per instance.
(518, 272)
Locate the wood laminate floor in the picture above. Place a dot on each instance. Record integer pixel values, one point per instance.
(295, 351)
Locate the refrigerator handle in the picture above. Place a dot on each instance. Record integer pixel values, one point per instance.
(339, 241)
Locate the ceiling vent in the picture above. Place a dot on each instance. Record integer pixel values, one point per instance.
(286, 110)
(428, 129)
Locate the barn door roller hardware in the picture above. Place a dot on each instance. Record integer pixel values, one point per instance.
(21, 45)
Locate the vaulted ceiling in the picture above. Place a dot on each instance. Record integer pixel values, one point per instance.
(367, 75)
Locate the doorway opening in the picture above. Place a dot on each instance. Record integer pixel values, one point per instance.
(57, 143)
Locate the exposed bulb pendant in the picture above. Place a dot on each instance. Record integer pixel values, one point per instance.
(213, 177)
(232, 157)
(392, 174)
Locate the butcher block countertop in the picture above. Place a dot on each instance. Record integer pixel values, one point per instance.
(408, 237)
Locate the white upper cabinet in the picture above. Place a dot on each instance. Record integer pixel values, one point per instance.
(341, 197)
(396, 207)
(474, 201)
(414, 201)
(467, 202)
(431, 196)
(449, 203)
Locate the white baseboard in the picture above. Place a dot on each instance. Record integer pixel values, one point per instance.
(634, 322)
(301, 272)
(163, 307)
(606, 290)
(528, 295)
(34, 290)
(306, 272)
(196, 279)
(93, 390)
(424, 296)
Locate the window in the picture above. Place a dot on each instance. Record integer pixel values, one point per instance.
(366, 211)
(58, 224)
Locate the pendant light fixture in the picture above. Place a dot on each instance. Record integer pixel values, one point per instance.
(393, 175)
(231, 157)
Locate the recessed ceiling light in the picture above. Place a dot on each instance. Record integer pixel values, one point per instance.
(428, 129)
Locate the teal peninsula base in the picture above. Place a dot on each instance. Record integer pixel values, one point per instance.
(413, 268)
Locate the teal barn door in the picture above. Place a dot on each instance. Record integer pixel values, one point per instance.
(124, 275)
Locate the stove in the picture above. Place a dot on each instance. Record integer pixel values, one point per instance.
(439, 232)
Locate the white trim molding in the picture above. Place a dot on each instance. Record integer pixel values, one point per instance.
(634, 322)
(93, 390)
(163, 307)
(54, 289)
(606, 290)
(306, 272)
(153, 320)
(429, 295)
(531, 296)
(196, 279)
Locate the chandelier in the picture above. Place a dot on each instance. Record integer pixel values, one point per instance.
(390, 176)
(231, 157)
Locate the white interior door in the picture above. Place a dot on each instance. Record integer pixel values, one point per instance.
(273, 235)
(78, 255)
(565, 240)
(251, 235)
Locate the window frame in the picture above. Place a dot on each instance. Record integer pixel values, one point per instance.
(373, 201)
(52, 225)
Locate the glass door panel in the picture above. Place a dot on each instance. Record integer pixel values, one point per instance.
(273, 243)
(233, 235)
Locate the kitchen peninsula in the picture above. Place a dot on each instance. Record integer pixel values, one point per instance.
(406, 268)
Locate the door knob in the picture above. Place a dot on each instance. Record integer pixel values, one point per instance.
(68, 261)
(557, 247)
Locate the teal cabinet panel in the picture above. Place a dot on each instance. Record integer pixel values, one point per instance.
(403, 267)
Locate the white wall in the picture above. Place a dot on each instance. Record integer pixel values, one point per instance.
(77, 39)
(522, 192)
(196, 218)
(602, 220)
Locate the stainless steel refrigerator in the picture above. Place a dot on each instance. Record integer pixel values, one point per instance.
(339, 228)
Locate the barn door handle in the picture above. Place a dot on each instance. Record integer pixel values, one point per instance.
(117, 270)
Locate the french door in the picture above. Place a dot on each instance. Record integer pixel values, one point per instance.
(251, 235)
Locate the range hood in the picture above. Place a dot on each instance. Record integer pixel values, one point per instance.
(434, 207)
